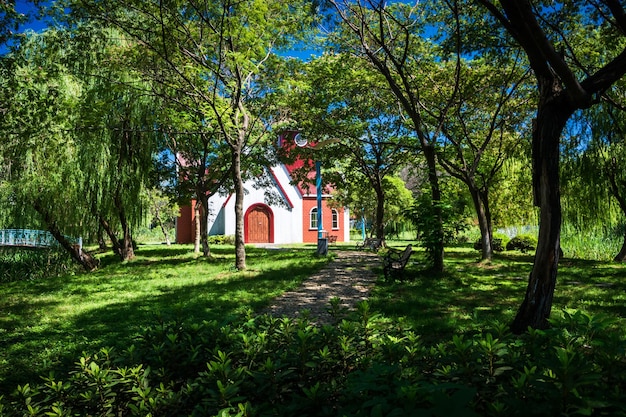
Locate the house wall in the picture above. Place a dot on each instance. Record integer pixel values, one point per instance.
(185, 224)
(310, 234)
(287, 224)
(290, 217)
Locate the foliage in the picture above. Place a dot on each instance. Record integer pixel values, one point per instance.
(512, 201)
(598, 243)
(522, 243)
(422, 214)
(10, 20)
(499, 243)
(208, 63)
(39, 151)
(31, 265)
(365, 365)
(410, 341)
(222, 240)
(47, 323)
(339, 96)
(163, 211)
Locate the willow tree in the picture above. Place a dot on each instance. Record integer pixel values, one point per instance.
(212, 53)
(40, 150)
(594, 179)
(557, 38)
(392, 38)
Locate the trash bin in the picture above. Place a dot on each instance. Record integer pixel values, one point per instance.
(322, 246)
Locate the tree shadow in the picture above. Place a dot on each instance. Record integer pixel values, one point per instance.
(119, 323)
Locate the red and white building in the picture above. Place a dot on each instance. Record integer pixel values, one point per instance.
(293, 220)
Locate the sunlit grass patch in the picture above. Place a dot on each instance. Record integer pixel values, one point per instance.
(47, 323)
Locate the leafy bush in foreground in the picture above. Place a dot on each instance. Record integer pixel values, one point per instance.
(363, 366)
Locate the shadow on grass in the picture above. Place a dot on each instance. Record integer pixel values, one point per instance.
(128, 297)
(470, 293)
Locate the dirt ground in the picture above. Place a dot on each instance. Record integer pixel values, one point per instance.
(349, 277)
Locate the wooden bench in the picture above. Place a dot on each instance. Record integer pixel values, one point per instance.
(332, 239)
(394, 262)
(370, 243)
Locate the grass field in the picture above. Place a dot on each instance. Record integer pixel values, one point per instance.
(47, 324)
(471, 294)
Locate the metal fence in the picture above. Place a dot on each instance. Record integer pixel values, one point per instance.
(30, 238)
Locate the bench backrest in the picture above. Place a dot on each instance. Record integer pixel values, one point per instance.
(406, 254)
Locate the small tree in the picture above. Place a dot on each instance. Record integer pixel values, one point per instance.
(162, 211)
(339, 97)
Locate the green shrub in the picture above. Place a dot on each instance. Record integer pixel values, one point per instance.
(498, 243)
(362, 366)
(18, 264)
(222, 240)
(522, 243)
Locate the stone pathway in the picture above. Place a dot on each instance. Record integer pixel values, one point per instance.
(349, 277)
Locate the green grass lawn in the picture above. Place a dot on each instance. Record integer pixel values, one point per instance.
(471, 294)
(47, 324)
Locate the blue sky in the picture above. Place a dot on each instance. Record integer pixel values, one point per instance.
(27, 8)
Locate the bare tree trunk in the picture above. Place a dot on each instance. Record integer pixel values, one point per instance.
(127, 251)
(484, 197)
(84, 258)
(551, 118)
(196, 240)
(380, 209)
(240, 248)
(433, 180)
(102, 245)
(117, 248)
(203, 201)
(484, 224)
(122, 248)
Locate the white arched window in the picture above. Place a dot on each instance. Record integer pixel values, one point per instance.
(313, 218)
(335, 219)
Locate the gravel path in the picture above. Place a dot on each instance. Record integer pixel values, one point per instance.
(349, 277)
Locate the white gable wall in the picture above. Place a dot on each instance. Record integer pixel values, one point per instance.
(287, 220)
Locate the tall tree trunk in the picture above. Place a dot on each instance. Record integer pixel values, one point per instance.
(127, 251)
(84, 258)
(240, 248)
(483, 223)
(484, 196)
(380, 209)
(117, 247)
(198, 227)
(102, 244)
(433, 180)
(203, 200)
(553, 112)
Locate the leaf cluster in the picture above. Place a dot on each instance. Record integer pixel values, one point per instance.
(361, 365)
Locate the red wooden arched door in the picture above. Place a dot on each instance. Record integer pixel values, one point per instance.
(258, 223)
